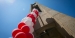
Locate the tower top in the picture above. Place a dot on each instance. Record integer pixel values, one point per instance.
(35, 2)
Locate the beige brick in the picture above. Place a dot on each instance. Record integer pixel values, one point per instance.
(68, 30)
(59, 16)
(44, 17)
(52, 12)
(63, 18)
(42, 13)
(70, 25)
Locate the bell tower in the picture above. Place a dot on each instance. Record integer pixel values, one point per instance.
(53, 24)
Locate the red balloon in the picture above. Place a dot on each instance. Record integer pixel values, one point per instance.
(32, 17)
(36, 12)
(21, 24)
(15, 31)
(20, 35)
(29, 35)
(25, 29)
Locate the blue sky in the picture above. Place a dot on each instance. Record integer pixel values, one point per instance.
(12, 12)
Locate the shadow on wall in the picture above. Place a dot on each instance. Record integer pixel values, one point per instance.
(61, 30)
(37, 25)
(49, 20)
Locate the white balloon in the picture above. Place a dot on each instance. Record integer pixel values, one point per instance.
(31, 29)
(28, 21)
(34, 9)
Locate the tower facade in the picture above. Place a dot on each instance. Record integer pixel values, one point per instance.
(53, 24)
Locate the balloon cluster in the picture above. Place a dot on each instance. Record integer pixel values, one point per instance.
(26, 26)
